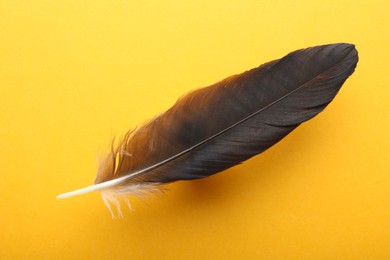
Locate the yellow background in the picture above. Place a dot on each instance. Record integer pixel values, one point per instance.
(75, 73)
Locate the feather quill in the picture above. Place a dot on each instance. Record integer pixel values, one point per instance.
(217, 127)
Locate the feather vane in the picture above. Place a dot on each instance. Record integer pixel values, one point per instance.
(216, 127)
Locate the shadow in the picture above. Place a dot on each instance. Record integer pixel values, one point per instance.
(207, 205)
(253, 175)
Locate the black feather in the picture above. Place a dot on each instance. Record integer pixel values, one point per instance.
(217, 127)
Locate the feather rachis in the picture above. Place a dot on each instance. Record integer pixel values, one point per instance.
(182, 152)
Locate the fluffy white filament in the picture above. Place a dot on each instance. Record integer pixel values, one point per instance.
(114, 196)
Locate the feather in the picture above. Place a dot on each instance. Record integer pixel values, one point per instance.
(216, 127)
